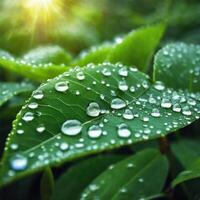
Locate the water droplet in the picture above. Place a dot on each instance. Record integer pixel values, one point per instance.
(93, 109)
(118, 103)
(191, 102)
(38, 94)
(128, 114)
(123, 131)
(19, 163)
(61, 86)
(80, 76)
(33, 105)
(123, 71)
(165, 103)
(159, 85)
(123, 85)
(176, 108)
(94, 131)
(155, 112)
(106, 72)
(20, 131)
(186, 111)
(28, 117)
(71, 127)
(40, 128)
(64, 146)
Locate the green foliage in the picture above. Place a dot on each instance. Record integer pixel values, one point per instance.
(138, 111)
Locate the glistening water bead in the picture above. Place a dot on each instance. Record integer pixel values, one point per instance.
(61, 86)
(94, 131)
(71, 127)
(123, 131)
(93, 109)
(18, 163)
(118, 103)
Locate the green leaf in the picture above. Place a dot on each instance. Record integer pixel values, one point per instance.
(39, 64)
(136, 48)
(88, 110)
(8, 90)
(190, 159)
(191, 149)
(192, 172)
(137, 177)
(178, 66)
(71, 183)
(47, 184)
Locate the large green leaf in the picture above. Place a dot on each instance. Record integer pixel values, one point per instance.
(178, 66)
(137, 177)
(136, 48)
(71, 183)
(91, 109)
(8, 90)
(38, 64)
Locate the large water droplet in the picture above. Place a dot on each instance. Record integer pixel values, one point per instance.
(93, 109)
(33, 105)
(19, 163)
(118, 103)
(155, 112)
(128, 114)
(38, 94)
(94, 131)
(159, 85)
(64, 146)
(123, 85)
(165, 103)
(71, 127)
(61, 86)
(29, 116)
(80, 76)
(123, 71)
(106, 72)
(186, 111)
(123, 131)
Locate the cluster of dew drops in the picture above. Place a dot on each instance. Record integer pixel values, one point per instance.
(170, 100)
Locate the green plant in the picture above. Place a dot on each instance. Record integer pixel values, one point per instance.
(105, 101)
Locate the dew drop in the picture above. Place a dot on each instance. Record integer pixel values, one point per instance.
(28, 117)
(40, 129)
(64, 146)
(118, 103)
(61, 86)
(165, 103)
(186, 111)
(123, 131)
(94, 131)
(71, 127)
(176, 108)
(93, 109)
(123, 85)
(159, 85)
(19, 163)
(123, 71)
(106, 72)
(155, 112)
(128, 114)
(38, 94)
(33, 105)
(80, 76)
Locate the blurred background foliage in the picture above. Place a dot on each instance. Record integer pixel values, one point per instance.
(76, 25)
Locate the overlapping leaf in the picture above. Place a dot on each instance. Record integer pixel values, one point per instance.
(140, 176)
(38, 64)
(8, 90)
(91, 109)
(136, 48)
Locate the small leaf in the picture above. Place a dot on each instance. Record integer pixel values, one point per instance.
(190, 160)
(137, 177)
(47, 184)
(8, 90)
(192, 172)
(71, 183)
(39, 64)
(91, 109)
(178, 66)
(136, 48)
